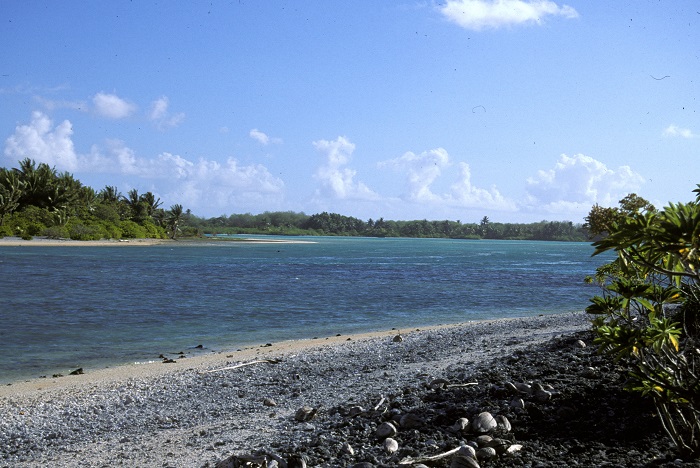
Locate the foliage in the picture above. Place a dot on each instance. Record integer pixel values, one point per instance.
(38, 200)
(648, 313)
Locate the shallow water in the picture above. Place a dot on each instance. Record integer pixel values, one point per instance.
(68, 307)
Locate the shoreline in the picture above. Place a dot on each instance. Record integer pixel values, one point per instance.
(151, 369)
(205, 241)
(200, 410)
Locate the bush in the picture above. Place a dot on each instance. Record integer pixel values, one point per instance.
(82, 232)
(55, 232)
(131, 230)
(648, 312)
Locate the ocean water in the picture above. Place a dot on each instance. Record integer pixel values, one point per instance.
(67, 307)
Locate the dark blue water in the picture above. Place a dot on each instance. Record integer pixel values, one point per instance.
(68, 307)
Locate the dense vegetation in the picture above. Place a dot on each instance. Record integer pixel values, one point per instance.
(333, 224)
(648, 315)
(36, 200)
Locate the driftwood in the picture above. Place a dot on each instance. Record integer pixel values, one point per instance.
(379, 404)
(411, 461)
(260, 361)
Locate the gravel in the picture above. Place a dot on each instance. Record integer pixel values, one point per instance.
(189, 417)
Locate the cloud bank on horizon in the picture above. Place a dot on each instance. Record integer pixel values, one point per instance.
(406, 144)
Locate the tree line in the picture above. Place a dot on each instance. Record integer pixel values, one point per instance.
(334, 224)
(37, 200)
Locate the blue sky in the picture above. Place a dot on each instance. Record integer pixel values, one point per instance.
(454, 109)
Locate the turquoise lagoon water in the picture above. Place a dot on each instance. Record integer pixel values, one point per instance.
(68, 307)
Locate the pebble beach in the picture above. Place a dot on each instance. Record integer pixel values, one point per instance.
(198, 411)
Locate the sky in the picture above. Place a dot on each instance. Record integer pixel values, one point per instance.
(519, 110)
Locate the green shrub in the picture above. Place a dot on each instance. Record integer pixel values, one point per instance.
(648, 312)
(82, 232)
(131, 230)
(56, 232)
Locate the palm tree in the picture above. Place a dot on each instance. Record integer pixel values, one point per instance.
(174, 218)
(10, 192)
(151, 202)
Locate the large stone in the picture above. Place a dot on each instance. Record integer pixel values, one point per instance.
(484, 422)
(386, 429)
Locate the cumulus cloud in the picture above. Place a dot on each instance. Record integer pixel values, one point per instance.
(41, 141)
(675, 131)
(160, 115)
(203, 185)
(578, 182)
(336, 180)
(112, 106)
(493, 14)
(422, 171)
(263, 138)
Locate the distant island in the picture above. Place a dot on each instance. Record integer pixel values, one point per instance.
(37, 200)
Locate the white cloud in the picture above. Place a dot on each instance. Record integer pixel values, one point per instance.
(42, 142)
(484, 14)
(263, 138)
(205, 186)
(675, 131)
(112, 106)
(51, 104)
(578, 182)
(423, 170)
(161, 117)
(338, 181)
(259, 136)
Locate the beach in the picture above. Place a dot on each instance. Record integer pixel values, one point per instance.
(46, 242)
(199, 410)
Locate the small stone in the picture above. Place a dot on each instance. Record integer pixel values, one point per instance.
(362, 465)
(305, 413)
(523, 387)
(460, 461)
(467, 451)
(483, 440)
(503, 423)
(499, 445)
(484, 422)
(485, 454)
(397, 339)
(514, 448)
(439, 384)
(581, 343)
(347, 449)
(355, 411)
(462, 424)
(517, 403)
(269, 402)
(390, 445)
(542, 395)
(296, 461)
(386, 429)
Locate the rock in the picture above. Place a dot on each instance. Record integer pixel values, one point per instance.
(503, 423)
(347, 449)
(462, 424)
(467, 451)
(499, 445)
(486, 454)
(355, 411)
(483, 440)
(78, 371)
(386, 429)
(397, 339)
(390, 445)
(296, 461)
(362, 465)
(523, 387)
(542, 395)
(411, 421)
(581, 343)
(517, 403)
(305, 413)
(484, 422)
(439, 384)
(514, 448)
(269, 402)
(461, 461)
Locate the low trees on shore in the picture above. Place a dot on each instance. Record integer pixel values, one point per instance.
(36, 200)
